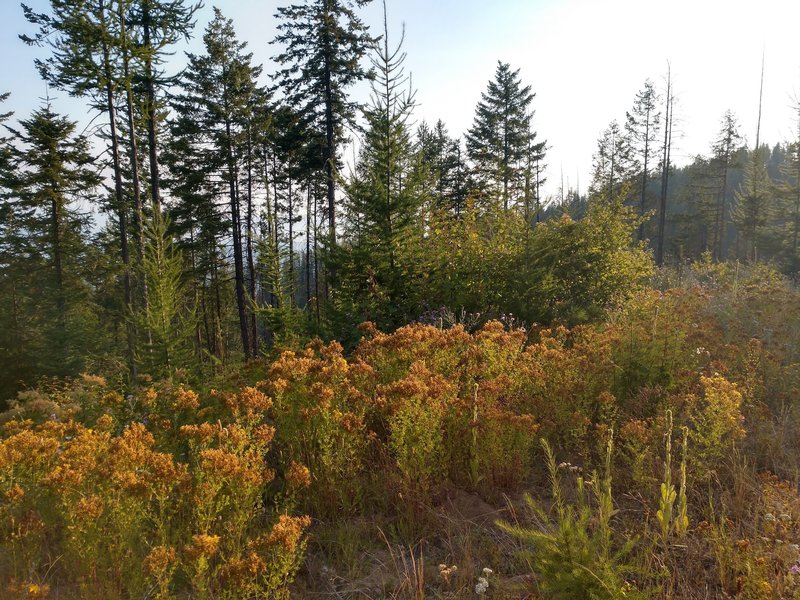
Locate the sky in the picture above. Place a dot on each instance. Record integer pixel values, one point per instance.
(584, 59)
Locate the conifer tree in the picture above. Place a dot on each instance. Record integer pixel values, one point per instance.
(500, 139)
(642, 128)
(219, 90)
(85, 41)
(323, 43)
(790, 195)
(447, 168)
(723, 150)
(53, 173)
(376, 272)
(168, 316)
(157, 25)
(611, 163)
(754, 202)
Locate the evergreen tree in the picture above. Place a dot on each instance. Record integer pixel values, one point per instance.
(447, 169)
(498, 144)
(611, 163)
(158, 25)
(168, 317)
(85, 40)
(216, 106)
(754, 202)
(376, 276)
(790, 195)
(323, 44)
(642, 128)
(53, 173)
(723, 150)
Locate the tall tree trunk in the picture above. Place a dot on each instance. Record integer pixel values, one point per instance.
(250, 262)
(61, 303)
(330, 149)
(723, 245)
(122, 211)
(151, 110)
(662, 209)
(308, 246)
(291, 244)
(644, 173)
(238, 260)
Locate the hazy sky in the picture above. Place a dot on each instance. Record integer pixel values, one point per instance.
(585, 60)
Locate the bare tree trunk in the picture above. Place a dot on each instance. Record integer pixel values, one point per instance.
(250, 262)
(122, 211)
(308, 246)
(662, 209)
(238, 261)
(151, 111)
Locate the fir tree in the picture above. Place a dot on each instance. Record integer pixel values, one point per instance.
(611, 163)
(219, 90)
(168, 317)
(85, 40)
(754, 202)
(377, 278)
(642, 128)
(499, 142)
(323, 44)
(53, 174)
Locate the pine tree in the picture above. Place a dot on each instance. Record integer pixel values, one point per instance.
(790, 194)
(754, 201)
(723, 150)
(498, 144)
(611, 163)
(157, 25)
(53, 173)
(85, 41)
(215, 106)
(168, 317)
(323, 44)
(376, 272)
(447, 171)
(642, 128)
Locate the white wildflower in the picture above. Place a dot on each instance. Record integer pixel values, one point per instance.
(481, 586)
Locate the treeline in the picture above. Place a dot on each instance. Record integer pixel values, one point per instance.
(230, 224)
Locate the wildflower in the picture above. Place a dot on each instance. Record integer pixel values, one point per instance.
(220, 462)
(264, 434)
(298, 475)
(36, 590)
(14, 493)
(89, 508)
(158, 561)
(445, 572)
(769, 517)
(203, 545)
(487, 571)
(150, 397)
(185, 400)
(105, 423)
(482, 586)
(287, 531)
(253, 400)
(795, 570)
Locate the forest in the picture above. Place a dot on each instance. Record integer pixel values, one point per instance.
(236, 364)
